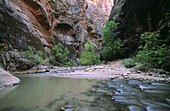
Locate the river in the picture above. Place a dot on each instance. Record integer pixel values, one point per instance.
(59, 94)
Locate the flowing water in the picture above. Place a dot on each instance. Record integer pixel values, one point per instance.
(136, 95)
(65, 94)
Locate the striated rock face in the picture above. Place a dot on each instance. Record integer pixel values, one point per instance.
(12, 60)
(7, 79)
(42, 24)
(138, 16)
(76, 22)
(17, 32)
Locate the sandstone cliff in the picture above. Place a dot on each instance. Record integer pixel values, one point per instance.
(42, 24)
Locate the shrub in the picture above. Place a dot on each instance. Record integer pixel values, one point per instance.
(37, 57)
(40, 57)
(60, 55)
(113, 51)
(89, 57)
(71, 63)
(130, 62)
(112, 48)
(153, 52)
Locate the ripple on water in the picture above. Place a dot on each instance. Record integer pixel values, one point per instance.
(160, 84)
(141, 95)
(156, 108)
(136, 108)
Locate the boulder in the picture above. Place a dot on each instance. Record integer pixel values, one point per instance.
(12, 60)
(24, 64)
(7, 79)
(41, 68)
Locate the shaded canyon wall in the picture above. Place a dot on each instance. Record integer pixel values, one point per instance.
(138, 16)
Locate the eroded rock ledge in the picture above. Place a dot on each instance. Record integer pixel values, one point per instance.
(7, 79)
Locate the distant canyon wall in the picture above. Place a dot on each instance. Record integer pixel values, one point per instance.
(42, 24)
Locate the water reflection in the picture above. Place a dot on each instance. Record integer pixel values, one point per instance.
(5, 91)
(45, 94)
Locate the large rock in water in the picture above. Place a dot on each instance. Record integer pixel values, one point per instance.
(7, 79)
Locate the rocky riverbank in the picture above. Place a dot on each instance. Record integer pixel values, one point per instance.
(114, 70)
(7, 79)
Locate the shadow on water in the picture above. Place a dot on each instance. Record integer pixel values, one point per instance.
(64, 94)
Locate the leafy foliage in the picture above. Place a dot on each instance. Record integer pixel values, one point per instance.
(130, 62)
(60, 55)
(107, 31)
(153, 52)
(37, 57)
(71, 63)
(113, 47)
(89, 57)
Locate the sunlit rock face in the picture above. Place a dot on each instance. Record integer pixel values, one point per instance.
(39, 15)
(17, 31)
(104, 5)
(42, 24)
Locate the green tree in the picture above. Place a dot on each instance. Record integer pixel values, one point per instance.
(112, 48)
(153, 52)
(89, 57)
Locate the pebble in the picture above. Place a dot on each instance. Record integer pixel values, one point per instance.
(139, 72)
(125, 74)
(150, 74)
(93, 90)
(121, 85)
(113, 98)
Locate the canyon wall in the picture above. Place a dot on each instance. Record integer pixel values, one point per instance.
(42, 24)
(138, 16)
